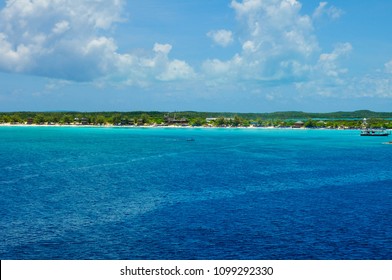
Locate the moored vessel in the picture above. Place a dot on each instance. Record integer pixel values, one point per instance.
(374, 132)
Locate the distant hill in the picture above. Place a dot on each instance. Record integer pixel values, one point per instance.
(333, 115)
(285, 115)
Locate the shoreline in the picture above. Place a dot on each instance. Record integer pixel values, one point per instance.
(170, 126)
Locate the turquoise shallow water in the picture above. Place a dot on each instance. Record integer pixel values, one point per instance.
(150, 193)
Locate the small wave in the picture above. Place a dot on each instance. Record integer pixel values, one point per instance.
(19, 179)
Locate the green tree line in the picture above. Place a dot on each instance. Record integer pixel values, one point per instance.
(277, 119)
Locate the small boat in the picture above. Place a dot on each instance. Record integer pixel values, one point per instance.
(374, 132)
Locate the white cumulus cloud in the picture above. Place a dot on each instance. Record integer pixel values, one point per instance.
(221, 37)
(176, 70)
(68, 40)
(143, 70)
(162, 48)
(388, 67)
(60, 27)
(280, 49)
(58, 38)
(277, 41)
(330, 11)
(327, 77)
(276, 26)
(328, 62)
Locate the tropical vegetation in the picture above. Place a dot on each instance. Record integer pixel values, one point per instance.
(190, 118)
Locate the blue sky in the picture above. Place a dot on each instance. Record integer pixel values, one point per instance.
(174, 55)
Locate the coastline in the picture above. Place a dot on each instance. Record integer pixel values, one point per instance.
(280, 120)
(169, 126)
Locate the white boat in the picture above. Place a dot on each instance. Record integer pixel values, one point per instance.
(374, 132)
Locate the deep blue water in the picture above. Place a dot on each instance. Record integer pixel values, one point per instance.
(133, 193)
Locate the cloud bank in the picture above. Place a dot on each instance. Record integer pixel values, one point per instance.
(68, 40)
(278, 47)
(59, 39)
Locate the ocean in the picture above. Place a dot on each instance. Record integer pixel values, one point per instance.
(194, 193)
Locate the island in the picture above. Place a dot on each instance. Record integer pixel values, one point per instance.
(290, 119)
